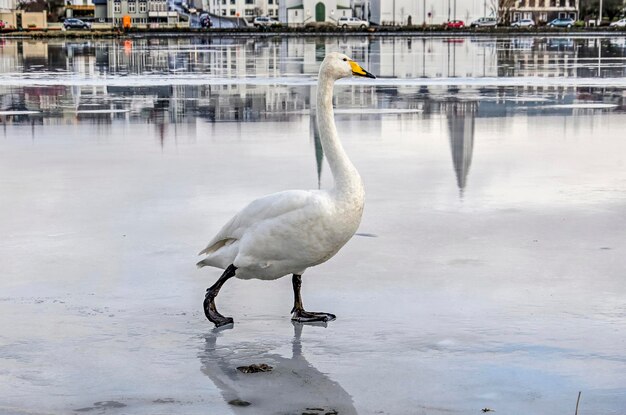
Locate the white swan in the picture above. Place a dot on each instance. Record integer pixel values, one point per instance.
(288, 232)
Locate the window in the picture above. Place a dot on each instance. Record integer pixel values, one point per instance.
(232, 1)
(223, 12)
(270, 1)
(249, 1)
(132, 7)
(249, 12)
(142, 7)
(233, 12)
(117, 7)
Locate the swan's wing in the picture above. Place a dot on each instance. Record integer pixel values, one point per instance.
(259, 210)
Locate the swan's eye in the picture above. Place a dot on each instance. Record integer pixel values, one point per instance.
(345, 59)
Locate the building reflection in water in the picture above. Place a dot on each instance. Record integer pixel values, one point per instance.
(167, 106)
(230, 58)
(461, 128)
(294, 386)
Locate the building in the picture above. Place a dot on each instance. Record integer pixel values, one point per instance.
(542, 11)
(248, 9)
(301, 12)
(100, 12)
(424, 12)
(82, 9)
(7, 6)
(141, 12)
(7, 12)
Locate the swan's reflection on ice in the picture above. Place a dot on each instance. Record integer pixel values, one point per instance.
(294, 386)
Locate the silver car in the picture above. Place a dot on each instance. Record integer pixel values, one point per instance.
(485, 22)
(524, 23)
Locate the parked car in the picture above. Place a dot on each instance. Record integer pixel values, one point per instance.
(454, 24)
(76, 24)
(524, 23)
(567, 22)
(619, 23)
(345, 22)
(263, 21)
(485, 22)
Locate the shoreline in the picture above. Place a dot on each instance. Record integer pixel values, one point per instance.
(384, 32)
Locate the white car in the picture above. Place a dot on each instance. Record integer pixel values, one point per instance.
(345, 22)
(619, 23)
(524, 23)
(262, 21)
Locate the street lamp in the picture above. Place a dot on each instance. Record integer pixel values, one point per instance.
(600, 19)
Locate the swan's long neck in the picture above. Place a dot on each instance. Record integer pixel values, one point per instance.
(346, 177)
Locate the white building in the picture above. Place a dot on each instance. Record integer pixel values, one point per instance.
(301, 12)
(430, 12)
(248, 9)
(7, 6)
(542, 11)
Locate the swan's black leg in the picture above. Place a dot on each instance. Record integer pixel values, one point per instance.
(298, 312)
(210, 311)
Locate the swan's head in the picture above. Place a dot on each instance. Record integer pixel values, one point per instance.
(337, 66)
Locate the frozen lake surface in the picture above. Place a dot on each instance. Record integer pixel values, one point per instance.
(489, 269)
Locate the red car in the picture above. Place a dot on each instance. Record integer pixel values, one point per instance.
(454, 24)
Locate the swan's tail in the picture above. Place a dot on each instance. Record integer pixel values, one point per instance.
(214, 246)
(220, 254)
(202, 264)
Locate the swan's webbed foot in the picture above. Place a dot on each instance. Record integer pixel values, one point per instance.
(302, 316)
(299, 314)
(210, 310)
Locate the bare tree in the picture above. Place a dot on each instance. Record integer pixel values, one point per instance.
(502, 9)
(30, 5)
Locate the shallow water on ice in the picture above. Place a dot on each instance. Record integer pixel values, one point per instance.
(488, 272)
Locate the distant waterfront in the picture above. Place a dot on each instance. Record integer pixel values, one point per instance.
(319, 31)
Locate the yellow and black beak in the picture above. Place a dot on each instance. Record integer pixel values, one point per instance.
(358, 71)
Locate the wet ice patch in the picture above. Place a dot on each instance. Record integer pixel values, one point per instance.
(102, 405)
(362, 111)
(19, 112)
(103, 111)
(591, 105)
